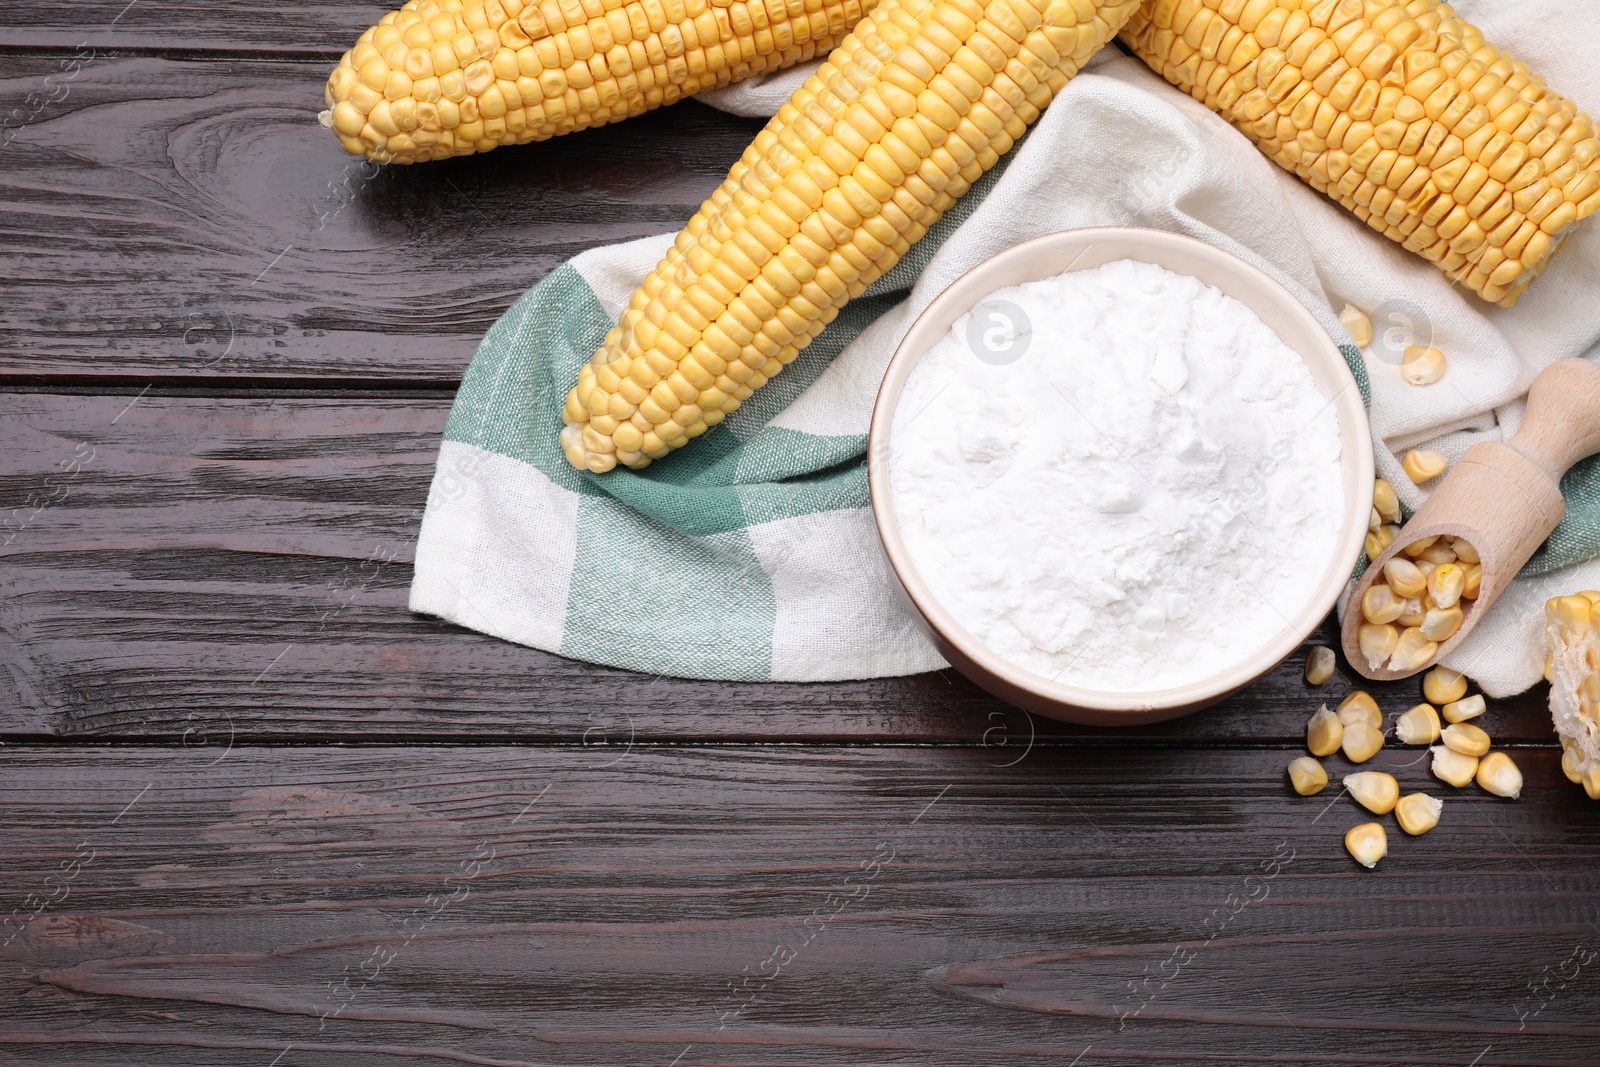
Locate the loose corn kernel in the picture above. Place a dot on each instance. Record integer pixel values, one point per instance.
(1452, 767)
(1360, 707)
(1421, 365)
(1497, 774)
(1324, 733)
(1441, 551)
(1355, 320)
(1571, 758)
(1443, 685)
(1307, 776)
(1465, 738)
(1421, 466)
(1412, 651)
(1441, 624)
(1464, 550)
(1361, 742)
(1418, 726)
(1417, 813)
(1467, 708)
(1445, 583)
(1379, 539)
(1374, 790)
(1377, 643)
(1367, 844)
(1385, 502)
(1404, 577)
(1473, 582)
(1418, 547)
(1319, 664)
(1379, 605)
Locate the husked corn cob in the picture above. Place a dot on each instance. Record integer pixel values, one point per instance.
(920, 99)
(1572, 627)
(442, 78)
(1402, 112)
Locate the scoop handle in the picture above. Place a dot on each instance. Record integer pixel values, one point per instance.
(1562, 424)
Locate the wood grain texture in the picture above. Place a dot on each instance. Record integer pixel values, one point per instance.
(321, 28)
(245, 562)
(804, 906)
(190, 220)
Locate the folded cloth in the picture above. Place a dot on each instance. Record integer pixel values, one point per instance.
(751, 554)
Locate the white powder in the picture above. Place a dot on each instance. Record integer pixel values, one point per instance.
(1141, 500)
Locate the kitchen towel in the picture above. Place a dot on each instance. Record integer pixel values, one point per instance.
(751, 553)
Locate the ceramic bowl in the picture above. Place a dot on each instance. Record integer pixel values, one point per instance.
(1056, 254)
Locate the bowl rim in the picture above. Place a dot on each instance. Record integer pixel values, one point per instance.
(967, 291)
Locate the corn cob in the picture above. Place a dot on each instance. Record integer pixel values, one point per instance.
(918, 101)
(1399, 110)
(1572, 627)
(442, 78)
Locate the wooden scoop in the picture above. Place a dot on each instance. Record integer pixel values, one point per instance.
(1504, 499)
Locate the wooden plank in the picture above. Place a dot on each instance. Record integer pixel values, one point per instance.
(189, 566)
(191, 221)
(324, 28)
(776, 905)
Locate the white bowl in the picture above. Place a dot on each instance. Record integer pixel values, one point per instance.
(1057, 254)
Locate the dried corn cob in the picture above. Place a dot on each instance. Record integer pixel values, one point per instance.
(1399, 110)
(1572, 627)
(917, 102)
(451, 77)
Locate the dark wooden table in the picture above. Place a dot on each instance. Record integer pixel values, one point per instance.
(253, 812)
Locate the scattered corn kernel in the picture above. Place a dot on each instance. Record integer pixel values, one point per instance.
(1465, 738)
(1374, 790)
(1421, 466)
(1361, 742)
(1422, 365)
(1307, 776)
(1445, 583)
(1324, 733)
(1419, 546)
(1497, 774)
(1473, 582)
(1443, 685)
(1419, 726)
(1467, 708)
(1367, 844)
(1384, 501)
(1377, 643)
(1379, 539)
(1452, 767)
(1360, 707)
(1379, 604)
(1464, 550)
(1355, 320)
(1319, 665)
(1404, 577)
(1441, 551)
(1412, 651)
(1441, 624)
(1417, 813)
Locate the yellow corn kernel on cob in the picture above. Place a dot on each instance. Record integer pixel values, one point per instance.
(1572, 628)
(442, 78)
(918, 101)
(1399, 110)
